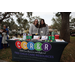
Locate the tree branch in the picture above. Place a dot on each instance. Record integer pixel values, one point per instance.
(5, 14)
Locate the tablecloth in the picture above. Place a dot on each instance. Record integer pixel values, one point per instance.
(53, 55)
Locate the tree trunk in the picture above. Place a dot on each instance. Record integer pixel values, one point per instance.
(65, 31)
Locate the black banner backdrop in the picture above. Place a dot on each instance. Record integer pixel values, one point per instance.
(53, 55)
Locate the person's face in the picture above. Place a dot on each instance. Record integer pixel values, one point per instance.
(4, 27)
(36, 21)
(42, 22)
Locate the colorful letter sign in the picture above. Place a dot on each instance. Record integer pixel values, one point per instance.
(31, 46)
(18, 44)
(46, 47)
(24, 45)
(37, 46)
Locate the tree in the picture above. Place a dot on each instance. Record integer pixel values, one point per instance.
(7, 15)
(6, 18)
(73, 20)
(56, 23)
(64, 25)
(65, 30)
(29, 14)
(11, 24)
(23, 23)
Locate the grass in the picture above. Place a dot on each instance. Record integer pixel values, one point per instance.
(68, 54)
(6, 54)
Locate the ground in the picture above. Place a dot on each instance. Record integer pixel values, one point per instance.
(68, 54)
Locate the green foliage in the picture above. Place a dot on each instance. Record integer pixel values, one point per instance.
(29, 14)
(73, 20)
(7, 19)
(58, 14)
(21, 21)
(56, 23)
(11, 24)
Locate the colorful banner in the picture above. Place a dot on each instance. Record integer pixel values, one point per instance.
(35, 51)
(33, 46)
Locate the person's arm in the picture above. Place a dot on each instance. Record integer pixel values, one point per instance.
(6, 30)
(31, 29)
(47, 30)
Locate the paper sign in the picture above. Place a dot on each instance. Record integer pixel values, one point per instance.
(36, 37)
(24, 36)
(44, 37)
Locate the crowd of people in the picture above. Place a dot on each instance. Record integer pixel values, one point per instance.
(4, 32)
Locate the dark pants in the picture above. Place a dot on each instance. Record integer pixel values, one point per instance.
(4, 45)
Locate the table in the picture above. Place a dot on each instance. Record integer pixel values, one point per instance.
(1, 46)
(20, 53)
